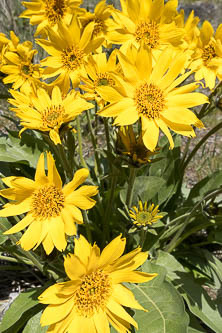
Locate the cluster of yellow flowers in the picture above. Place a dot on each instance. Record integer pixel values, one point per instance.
(139, 82)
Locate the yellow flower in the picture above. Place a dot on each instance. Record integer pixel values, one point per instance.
(144, 215)
(207, 58)
(48, 112)
(19, 67)
(149, 22)
(48, 13)
(69, 48)
(133, 146)
(52, 210)
(99, 73)
(152, 95)
(95, 296)
(100, 18)
(192, 32)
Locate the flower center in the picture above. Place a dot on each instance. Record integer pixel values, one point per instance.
(99, 26)
(148, 33)
(103, 79)
(93, 293)
(47, 202)
(55, 10)
(149, 100)
(144, 218)
(53, 116)
(27, 69)
(208, 53)
(72, 57)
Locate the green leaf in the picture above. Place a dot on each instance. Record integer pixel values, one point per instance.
(209, 183)
(27, 150)
(22, 309)
(145, 187)
(197, 299)
(33, 325)
(193, 330)
(5, 223)
(166, 311)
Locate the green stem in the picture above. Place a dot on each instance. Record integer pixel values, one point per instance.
(10, 259)
(63, 159)
(93, 139)
(207, 106)
(173, 243)
(24, 253)
(142, 237)
(79, 135)
(132, 177)
(108, 212)
(106, 126)
(197, 147)
(60, 154)
(87, 225)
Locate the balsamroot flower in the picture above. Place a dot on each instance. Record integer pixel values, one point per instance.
(52, 210)
(152, 95)
(207, 58)
(49, 13)
(48, 112)
(68, 49)
(144, 215)
(95, 296)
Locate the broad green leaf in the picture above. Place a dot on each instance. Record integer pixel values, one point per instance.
(197, 299)
(166, 311)
(22, 309)
(4, 222)
(33, 325)
(145, 187)
(27, 150)
(193, 330)
(209, 183)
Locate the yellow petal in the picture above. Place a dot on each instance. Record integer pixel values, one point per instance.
(150, 133)
(69, 224)
(79, 177)
(118, 323)
(54, 136)
(53, 174)
(82, 249)
(11, 209)
(180, 116)
(20, 225)
(54, 313)
(40, 170)
(166, 131)
(75, 213)
(57, 233)
(74, 267)
(206, 32)
(188, 100)
(82, 325)
(133, 277)
(80, 201)
(48, 244)
(112, 251)
(119, 311)
(31, 236)
(101, 322)
(115, 109)
(56, 96)
(125, 297)
(59, 293)
(127, 117)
